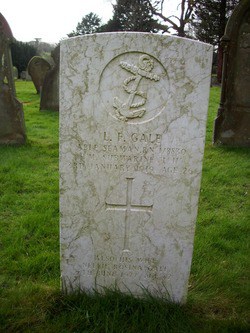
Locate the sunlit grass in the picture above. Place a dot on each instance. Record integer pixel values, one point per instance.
(30, 295)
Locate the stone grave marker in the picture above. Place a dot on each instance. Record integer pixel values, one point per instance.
(132, 128)
(232, 125)
(37, 69)
(50, 91)
(12, 127)
(23, 75)
(15, 73)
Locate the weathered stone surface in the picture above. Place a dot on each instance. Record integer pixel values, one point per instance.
(12, 128)
(50, 91)
(37, 69)
(232, 125)
(132, 129)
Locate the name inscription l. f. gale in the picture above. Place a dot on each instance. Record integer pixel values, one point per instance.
(132, 129)
(134, 137)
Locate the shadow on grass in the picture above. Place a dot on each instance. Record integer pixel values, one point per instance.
(113, 312)
(116, 312)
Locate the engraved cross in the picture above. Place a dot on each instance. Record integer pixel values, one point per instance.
(128, 208)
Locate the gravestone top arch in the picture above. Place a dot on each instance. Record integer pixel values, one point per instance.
(5, 28)
(37, 69)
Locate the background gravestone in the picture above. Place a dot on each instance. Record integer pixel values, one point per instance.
(12, 127)
(133, 112)
(15, 73)
(25, 76)
(232, 125)
(37, 69)
(50, 90)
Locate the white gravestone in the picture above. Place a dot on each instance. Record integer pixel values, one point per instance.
(132, 130)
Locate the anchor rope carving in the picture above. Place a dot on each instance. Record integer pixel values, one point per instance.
(131, 109)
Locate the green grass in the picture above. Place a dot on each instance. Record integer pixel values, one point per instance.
(30, 298)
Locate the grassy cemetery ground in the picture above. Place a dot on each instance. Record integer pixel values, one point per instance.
(30, 295)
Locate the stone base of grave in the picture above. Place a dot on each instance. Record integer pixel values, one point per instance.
(232, 129)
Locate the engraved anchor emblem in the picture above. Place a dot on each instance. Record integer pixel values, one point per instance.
(131, 109)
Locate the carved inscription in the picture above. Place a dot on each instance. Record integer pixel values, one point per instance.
(128, 208)
(130, 109)
(141, 152)
(124, 266)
